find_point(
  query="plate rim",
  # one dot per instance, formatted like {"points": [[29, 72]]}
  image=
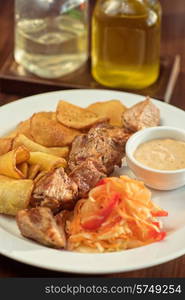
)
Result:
{"points": [[69, 270]]}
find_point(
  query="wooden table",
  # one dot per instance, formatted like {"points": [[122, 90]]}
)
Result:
{"points": [[173, 43]]}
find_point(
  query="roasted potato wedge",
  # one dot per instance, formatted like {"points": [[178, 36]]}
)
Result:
{"points": [[46, 161], [33, 171], [9, 162], [14, 194], [23, 167], [22, 140]]}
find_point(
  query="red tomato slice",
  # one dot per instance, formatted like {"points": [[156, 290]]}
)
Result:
{"points": [[95, 222], [101, 182], [158, 236], [160, 213]]}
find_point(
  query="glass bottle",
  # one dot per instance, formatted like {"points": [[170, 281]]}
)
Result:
{"points": [[51, 36], [126, 42]]}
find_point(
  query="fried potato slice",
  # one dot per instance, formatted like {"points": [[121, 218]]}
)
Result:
{"points": [[46, 161], [14, 194], [11, 134], [10, 161], [50, 133], [5, 145], [32, 146], [51, 115], [76, 117], [22, 128], [112, 109]]}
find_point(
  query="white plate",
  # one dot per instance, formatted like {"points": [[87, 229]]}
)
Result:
{"points": [[13, 245]]}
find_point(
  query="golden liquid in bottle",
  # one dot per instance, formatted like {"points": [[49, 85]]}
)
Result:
{"points": [[126, 44]]}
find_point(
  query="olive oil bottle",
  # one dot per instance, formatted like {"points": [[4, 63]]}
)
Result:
{"points": [[126, 42]]}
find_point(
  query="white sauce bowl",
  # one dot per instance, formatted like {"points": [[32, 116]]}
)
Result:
{"points": [[157, 179]]}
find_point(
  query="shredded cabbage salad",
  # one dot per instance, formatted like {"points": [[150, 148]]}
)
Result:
{"points": [[118, 214]]}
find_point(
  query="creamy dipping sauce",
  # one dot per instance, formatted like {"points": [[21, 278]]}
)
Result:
{"points": [[162, 154]]}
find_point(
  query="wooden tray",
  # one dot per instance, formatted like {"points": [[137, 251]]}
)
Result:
{"points": [[15, 79]]}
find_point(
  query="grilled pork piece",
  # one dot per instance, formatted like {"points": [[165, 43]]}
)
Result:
{"points": [[141, 115], [105, 144], [55, 190], [92, 157], [40, 225], [87, 175], [78, 146]]}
